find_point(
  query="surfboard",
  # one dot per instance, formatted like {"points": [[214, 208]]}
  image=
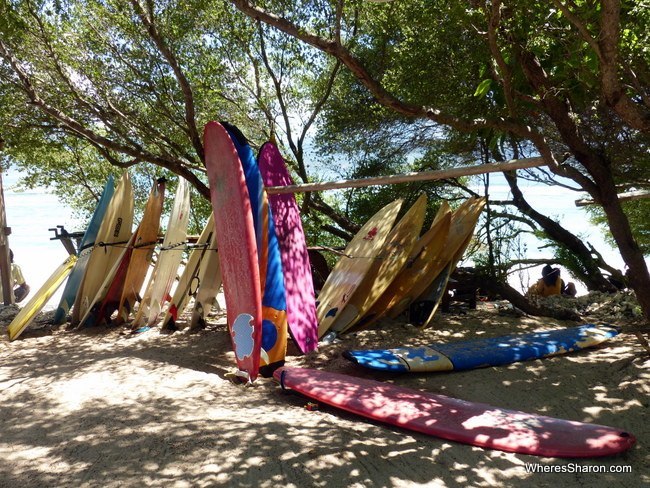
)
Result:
{"points": [[85, 248], [114, 232], [142, 253], [40, 298], [476, 424], [353, 265], [484, 352], [298, 282], [190, 280], [209, 279], [233, 221], [424, 260], [463, 227], [388, 264], [429, 288], [274, 306], [106, 299], [169, 259]]}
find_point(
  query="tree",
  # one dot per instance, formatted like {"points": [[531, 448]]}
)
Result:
{"points": [[553, 79], [93, 87]]}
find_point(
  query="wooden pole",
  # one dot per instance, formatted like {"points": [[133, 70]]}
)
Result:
{"points": [[5, 262], [629, 195], [409, 177]]}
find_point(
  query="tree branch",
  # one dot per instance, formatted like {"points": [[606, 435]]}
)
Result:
{"points": [[382, 95], [190, 114], [94, 138], [611, 88]]}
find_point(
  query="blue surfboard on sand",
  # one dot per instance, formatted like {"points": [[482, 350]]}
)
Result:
{"points": [[480, 353]]}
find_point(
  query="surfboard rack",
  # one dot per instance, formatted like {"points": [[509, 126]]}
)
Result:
{"points": [[66, 238]]}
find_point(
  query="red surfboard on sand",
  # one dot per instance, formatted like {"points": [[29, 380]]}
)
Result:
{"points": [[235, 234], [298, 282], [476, 424]]}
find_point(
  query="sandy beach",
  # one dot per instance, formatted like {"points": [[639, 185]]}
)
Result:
{"points": [[102, 407]]}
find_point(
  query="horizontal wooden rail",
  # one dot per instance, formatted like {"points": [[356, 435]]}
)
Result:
{"points": [[409, 177]]}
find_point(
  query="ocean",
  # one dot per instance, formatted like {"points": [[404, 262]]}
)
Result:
{"points": [[30, 215]]}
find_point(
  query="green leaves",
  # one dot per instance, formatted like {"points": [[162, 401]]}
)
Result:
{"points": [[483, 88]]}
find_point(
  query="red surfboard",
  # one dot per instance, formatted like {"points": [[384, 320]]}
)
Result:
{"points": [[235, 234], [298, 282], [477, 424]]}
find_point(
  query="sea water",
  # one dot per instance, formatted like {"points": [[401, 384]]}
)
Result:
{"points": [[30, 215]]}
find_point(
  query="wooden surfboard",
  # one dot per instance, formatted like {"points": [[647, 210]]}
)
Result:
{"points": [[274, 305], [190, 279], [476, 424], [169, 259], [112, 237], [390, 261], [423, 261], [40, 298], [298, 282], [237, 245], [144, 244], [484, 352], [87, 242], [353, 265]]}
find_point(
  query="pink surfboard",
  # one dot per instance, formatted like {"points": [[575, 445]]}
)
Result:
{"points": [[476, 424], [235, 235], [298, 282]]}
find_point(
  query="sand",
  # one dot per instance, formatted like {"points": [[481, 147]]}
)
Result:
{"points": [[105, 408]]}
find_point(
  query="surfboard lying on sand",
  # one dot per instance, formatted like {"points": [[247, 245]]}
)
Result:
{"points": [[298, 281], [40, 298], [476, 424], [233, 222], [480, 353]]}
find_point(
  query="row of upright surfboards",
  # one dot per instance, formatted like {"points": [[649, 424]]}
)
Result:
{"points": [[109, 273], [262, 260]]}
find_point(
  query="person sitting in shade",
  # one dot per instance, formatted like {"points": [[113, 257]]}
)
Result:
{"points": [[552, 284], [19, 285]]}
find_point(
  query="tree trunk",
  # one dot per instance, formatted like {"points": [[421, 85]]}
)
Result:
{"points": [[593, 279]]}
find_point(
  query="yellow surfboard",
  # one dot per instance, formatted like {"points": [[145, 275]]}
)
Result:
{"points": [[465, 228], [423, 261], [40, 299], [459, 230], [355, 262], [389, 262], [113, 236]]}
